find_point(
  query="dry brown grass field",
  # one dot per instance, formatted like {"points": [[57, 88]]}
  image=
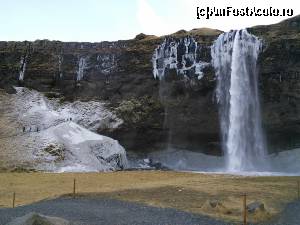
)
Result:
{"points": [[189, 192]]}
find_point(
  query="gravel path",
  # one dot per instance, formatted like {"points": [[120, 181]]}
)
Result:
{"points": [[290, 215], [97, 211], [88, 211]]}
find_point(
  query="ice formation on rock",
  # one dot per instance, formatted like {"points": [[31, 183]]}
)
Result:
{"points": [[182, 55], [107, 63]]}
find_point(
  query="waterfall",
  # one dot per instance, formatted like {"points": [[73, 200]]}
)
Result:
{"points": [[234, 56], [23, 63], [60, 61], [81, 67]]}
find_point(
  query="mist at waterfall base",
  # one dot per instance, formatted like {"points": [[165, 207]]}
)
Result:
{"points": [[234, 59]]}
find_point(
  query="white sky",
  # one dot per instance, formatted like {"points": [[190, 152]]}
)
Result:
{"points": [[185, 15], [99, 20]]}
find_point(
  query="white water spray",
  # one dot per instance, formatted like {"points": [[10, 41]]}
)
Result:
{"points": [[234, 56]]}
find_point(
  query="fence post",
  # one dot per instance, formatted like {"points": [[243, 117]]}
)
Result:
{"points": [[298, 182], [14, 200], [245, 209], [74, 188]]}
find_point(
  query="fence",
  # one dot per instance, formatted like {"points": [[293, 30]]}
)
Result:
{"points": [[73, 187]]}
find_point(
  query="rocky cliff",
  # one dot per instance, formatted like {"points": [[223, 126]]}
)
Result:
{"points": [[279, 76], [180, 110]]}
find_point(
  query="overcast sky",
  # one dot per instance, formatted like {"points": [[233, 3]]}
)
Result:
{"points": [[99, 20]]}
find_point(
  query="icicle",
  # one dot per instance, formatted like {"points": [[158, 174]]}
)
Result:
{"points": [[169, 55]]}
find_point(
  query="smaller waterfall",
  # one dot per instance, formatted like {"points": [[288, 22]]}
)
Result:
{"points": [[182, 55], [234, 56], [82, 65], [23, 63], [60, 61]]}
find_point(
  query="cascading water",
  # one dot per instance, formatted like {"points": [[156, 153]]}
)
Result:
{"points": [[81, 67], [60, 61], [234, 56], [23, 63]]}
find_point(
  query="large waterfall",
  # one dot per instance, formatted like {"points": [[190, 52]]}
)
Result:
{"points": [[234, 56]]}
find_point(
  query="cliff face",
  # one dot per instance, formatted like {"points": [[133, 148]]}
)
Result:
{"points": [[180, 111], [109, 71], [279, 75]]}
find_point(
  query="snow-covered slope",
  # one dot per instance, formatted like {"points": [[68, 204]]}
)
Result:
{"points": [[44, 134], [37, 110]]}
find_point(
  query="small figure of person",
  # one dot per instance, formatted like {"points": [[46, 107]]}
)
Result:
{"points": [[37, 129], [24, 129]]}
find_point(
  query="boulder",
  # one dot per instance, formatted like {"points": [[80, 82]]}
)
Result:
{"points": [[34, 218], [255, 207], [257, 211]]}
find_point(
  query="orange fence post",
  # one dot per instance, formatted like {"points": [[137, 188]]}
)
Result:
{"points": [[14, 200], [74, 188], [245, 209]]}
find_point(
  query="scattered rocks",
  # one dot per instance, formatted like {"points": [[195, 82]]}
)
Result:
{"points": [[215, 206], [57, 151]]}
